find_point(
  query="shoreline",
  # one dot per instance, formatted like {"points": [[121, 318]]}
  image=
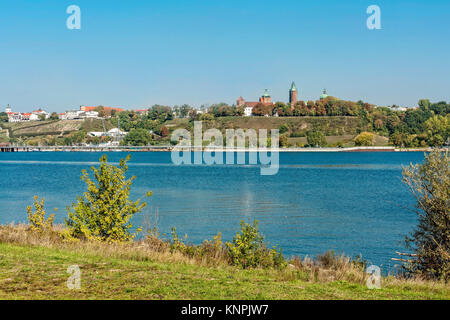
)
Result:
{"points": [[203, 149]]}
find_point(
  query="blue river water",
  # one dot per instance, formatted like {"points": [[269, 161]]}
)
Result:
{"points": [[352, 203]]}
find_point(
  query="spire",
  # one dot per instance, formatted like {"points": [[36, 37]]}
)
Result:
{"points": [[293, 87]]}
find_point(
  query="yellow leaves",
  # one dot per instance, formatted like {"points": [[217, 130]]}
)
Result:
{"points": [[37, 219], [105, 210]]}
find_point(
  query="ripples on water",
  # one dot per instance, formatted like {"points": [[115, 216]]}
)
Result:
{"points": [[349, 202]]}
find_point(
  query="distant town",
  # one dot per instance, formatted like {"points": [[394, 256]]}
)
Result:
{"points": [[247, 109], [327, 121]]}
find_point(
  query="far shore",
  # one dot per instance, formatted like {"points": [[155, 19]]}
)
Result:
{"points": [[199, 149]]}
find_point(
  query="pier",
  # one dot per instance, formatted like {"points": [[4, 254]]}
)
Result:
{"points": [[12, 148]]}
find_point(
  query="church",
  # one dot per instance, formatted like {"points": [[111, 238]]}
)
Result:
{"points": [[267, 100]]}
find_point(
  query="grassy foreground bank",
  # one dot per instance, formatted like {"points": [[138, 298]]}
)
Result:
{"points": [[35, 267]]}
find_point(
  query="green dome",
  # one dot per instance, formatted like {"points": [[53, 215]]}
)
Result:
{"points": [[324, 94], [266, 93]]}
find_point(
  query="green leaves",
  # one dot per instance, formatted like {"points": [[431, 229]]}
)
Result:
{"points": [[104, 211], [430, 185], [248, 249]]}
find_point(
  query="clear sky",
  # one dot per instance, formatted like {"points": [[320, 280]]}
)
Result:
{"points": [[137, 53]]}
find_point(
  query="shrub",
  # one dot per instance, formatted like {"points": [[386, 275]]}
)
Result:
{"points": [[365, 139], [316, 139], [211, 251], [430, 185], [283, 128], [137, 137], [37, 219], [104, 211], [284, 142], [248, 249]]}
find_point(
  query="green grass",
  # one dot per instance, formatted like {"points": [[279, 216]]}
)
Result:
{"points": [[38, 272]]}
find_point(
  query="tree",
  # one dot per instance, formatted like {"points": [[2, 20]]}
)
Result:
{"points": [[316, 139], [283, 128], [438, 130], [101, 111], [54, 116], [3, 117], [262, 109], [430, 184], [104, 211], [365, 139], [137, 137], [184, 110], [164, 132], [79, 136], [284, 142]]}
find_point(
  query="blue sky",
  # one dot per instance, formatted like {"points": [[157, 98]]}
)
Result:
{"points": [[138, 53]]}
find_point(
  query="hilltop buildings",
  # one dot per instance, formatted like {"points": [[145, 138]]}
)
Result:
{"points": [[266, 99], [26, 116], [84, 113]]}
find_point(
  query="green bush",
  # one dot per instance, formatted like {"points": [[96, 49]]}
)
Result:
{"points": [[211, 251], [316, 139], [430, 184], [283, 128], [104, 211], [248, 250]]}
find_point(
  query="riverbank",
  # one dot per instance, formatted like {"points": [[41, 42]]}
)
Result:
{"points": [[6, 148], [35, 267]]}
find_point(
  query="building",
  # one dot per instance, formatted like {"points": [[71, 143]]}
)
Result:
{"points": [[265, 99], [41, 113], [141, 111], [78, 115], [26, 116], [293, 95], [107, 109], [14, 116], [324, 94]]}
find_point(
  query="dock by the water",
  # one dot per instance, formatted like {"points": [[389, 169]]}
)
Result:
{"points": [[83, 148]]}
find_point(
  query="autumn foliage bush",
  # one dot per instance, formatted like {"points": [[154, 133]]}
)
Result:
{"points": [[104, 211], [37, 219]]}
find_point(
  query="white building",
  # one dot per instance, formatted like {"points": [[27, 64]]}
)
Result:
{"points": [[116, 132], [248, 111], [14, 117], [40, 113], [90, 114], [78, 114]]}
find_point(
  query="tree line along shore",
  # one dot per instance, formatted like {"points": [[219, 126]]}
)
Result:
{"points": [[329, 122]]}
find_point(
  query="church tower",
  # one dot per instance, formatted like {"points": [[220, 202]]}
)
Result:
{"points": [[293, 95], [266, 99]]}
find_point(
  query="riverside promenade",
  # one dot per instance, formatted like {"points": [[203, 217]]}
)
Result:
{"points": [[168, 148]]}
